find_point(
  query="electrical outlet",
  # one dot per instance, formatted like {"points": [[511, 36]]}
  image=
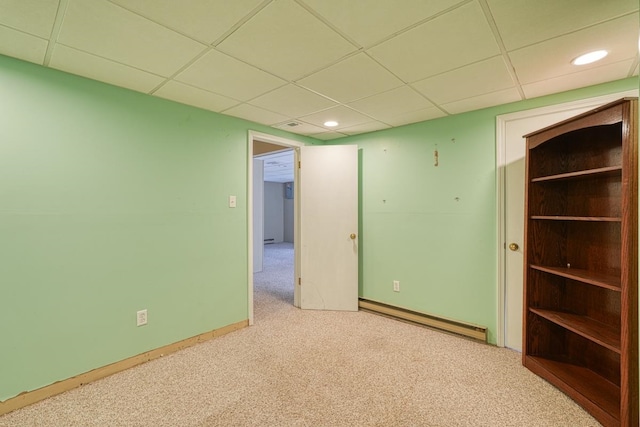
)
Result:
{"points": [[396, 286], [141, 317]]}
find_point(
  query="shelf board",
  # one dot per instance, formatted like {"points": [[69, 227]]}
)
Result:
{"points": [[609, 170], [607, 281], [600, 333], [577, 218], [583, 385]]}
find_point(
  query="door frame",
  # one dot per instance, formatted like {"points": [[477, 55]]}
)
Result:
{"points": [[285, 143], [501, 146]]}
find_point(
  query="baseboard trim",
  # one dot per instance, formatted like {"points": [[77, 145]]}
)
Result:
{"points": [[455, 326], [30, 397]]}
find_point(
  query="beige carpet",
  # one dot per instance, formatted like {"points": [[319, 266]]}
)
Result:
{"points": [[312, 368]]}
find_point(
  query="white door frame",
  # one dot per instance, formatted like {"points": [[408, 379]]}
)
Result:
{"points": [[501, 146], [286, 143]]}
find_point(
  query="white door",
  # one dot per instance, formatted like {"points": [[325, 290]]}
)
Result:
{"points": [[515, 126], [258, 215], [328, 183]]}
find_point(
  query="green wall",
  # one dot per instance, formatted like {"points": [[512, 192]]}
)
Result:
{"points": [[434, 228], [112, 201]]}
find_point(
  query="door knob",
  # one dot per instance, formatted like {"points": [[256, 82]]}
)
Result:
{"points": [[353, 236], [514, 246]]}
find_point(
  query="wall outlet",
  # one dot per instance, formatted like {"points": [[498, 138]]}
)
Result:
{"points": [[396, 286], [141, 317]]}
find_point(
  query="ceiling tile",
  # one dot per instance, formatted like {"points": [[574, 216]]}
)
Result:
{"points": [[255, 114], [354, 78], [483, 101], [391, 103], [476, 79], [416, 116], [30, 16], [292, 101], [327, 136], [419, 53], [364, 128], [203, 20], [553, 58], [346, 117], [22, 45], [552, 18], [584, 78], [635, 73], [287, 40], [302, 127], [354, 17], [219, 73], [107, 30], [83, 64], [190, 95]]}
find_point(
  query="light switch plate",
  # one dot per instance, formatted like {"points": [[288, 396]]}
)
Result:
{"points": [[232, 201]]}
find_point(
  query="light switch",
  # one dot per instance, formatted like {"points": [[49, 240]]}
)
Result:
{"points": [[232, 201]]}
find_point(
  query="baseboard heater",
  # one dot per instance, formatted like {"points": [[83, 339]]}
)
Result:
{"points": [[461, 328]]}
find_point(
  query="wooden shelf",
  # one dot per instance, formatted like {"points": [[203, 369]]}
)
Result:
{"points": [[576, 218], [581, 202], [609, 170], [590, 390], [600, 333], [607, 281]]}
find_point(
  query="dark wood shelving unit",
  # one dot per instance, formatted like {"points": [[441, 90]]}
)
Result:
{"points": [[581, 260]]}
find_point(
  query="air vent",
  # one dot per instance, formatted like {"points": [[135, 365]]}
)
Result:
{"points": [[293, 124]]}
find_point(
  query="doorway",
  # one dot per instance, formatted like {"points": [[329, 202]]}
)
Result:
{"points": [[262, 144], [510, 161], [273, 218]]}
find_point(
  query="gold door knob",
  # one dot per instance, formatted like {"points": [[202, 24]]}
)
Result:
{"points": [[353, 236], [514, 246]]}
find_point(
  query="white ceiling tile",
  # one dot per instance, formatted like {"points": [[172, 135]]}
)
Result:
{"points": [[292, 101], [353, 78], [30, 16], [354, 17], [365, 127], [580, 79], [190, 95], [391, 103], [552, 58], [635, 73], [255, 114], [328, 136], [301, 127], [97, 68], [482, 77], [107, 30], [345, 117], [525, 22], [483, 101], [416, 116], [287, 40], [203, 20], [22, 45], [457, 38], [219, 73]]}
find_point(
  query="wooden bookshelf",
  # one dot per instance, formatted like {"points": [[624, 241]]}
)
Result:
{"points": [[581, 260]]}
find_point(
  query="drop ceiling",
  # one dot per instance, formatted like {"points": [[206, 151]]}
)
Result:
{"points": [[294, 64], [278, 167]]}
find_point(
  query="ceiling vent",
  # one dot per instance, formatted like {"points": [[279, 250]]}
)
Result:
{"points": [[293, 124]]}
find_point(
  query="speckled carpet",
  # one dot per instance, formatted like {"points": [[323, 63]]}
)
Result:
{"points": [[315, 368]]}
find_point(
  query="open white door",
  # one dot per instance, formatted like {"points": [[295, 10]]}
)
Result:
{"points": [[328, 182]]}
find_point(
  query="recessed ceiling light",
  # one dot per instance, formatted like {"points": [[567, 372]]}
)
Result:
{"points": [[331, 123], [590, 57]]}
